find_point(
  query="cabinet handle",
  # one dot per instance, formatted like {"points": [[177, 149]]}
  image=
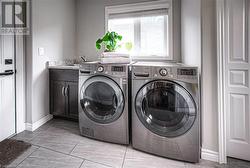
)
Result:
{"points": [[66, 91], [63, 90]]}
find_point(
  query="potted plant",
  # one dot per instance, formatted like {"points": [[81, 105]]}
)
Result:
{"points": [[109, 41]]}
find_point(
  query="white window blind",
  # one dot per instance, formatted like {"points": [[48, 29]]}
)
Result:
{"points": [[137, 14]]}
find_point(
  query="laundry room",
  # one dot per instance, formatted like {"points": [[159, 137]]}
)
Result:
{"points": [[124, 83]]}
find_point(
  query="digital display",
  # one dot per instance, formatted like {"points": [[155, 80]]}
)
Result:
{"points": [[117, 69], [187, 72]]}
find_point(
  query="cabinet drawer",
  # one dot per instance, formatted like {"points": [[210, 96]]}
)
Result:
{"points": [[64, 74]]}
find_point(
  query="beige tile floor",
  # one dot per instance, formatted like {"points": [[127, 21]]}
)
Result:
{"points": [[58, 144]]}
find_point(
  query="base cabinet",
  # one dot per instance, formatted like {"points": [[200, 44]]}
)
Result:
{"points": [[72, 99], [58, 99], [64, 93]]}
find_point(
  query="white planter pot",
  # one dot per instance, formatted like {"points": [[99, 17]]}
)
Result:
{"points": [[114, 54], [114, 57]]}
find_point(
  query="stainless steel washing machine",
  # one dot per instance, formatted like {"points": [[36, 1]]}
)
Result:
{"points": [[165, 110], [103, 102]]}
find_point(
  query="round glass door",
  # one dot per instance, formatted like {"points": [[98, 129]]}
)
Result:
{"points": [[102, 99], [165, 108]]}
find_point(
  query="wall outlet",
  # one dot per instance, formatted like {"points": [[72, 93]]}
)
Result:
{"points": [[41, 51]]}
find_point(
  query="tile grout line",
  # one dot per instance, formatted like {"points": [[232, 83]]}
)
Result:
{"points": [[67, 154], [89, 160], [62, 153], [29, 141], [37, 133], [27, 157], [72, 149], [77, 157], [71, 153], [82, 163], [124, 157], [98, 163], [85, 158]]}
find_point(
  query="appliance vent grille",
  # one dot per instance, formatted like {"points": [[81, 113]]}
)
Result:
{"points": [[88, 132]]}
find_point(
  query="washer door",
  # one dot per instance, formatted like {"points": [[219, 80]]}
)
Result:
{"points": [[102, 99], [165, 108]]}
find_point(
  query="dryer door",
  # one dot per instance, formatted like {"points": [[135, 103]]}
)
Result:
{"points": [[102, 99], [165, 108]]}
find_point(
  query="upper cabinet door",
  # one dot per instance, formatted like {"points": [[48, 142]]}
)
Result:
{"points": [[237, 35]]}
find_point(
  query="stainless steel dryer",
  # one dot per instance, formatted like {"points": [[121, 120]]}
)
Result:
{"points": [[165, 110], [103, 102]]}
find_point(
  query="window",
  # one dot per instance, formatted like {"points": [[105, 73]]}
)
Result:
{"points": [[147, 26]]}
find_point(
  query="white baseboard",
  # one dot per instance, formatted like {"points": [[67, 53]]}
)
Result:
{"points": [[21, 127], [209, 155], [28, 127], [39, 123]]}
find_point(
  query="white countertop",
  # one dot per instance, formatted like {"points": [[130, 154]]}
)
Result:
{"points": [[64, 66]]}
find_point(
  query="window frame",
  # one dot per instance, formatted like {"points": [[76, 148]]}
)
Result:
{"points": [[137, 7]]}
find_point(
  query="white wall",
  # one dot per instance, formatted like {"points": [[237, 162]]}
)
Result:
{"points": [[209, 76], [53, 28], [191, 32], [199, 49]]}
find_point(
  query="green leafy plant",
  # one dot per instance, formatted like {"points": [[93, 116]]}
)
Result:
{"points": [[109, 41]]}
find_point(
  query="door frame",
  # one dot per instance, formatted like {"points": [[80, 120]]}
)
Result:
{"points": [[222, 115], [20, 83], [221, 9]]}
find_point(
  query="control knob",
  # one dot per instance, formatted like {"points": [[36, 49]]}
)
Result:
{"points": [[100, 69], [163, 72]]}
